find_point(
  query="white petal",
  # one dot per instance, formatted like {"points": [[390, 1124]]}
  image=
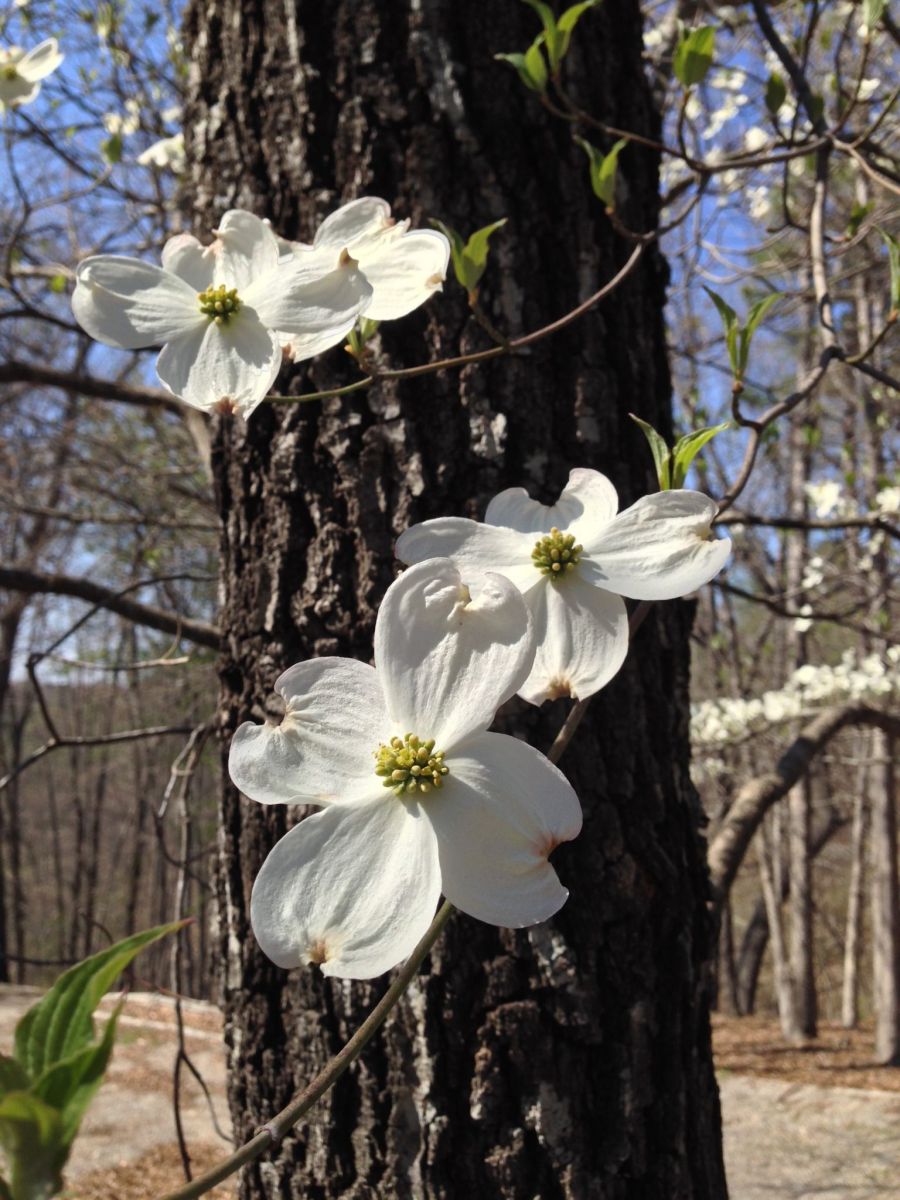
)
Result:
{"points": [[586, 504], [502, 810], [185, 257], [353, 888], [660, 548], [17, 91], [361, 218], [317, 311], [128, 303], [448, 656], [581, 634], [245, 249], [475, 548], [235, 362], [40, 62], [323, 751], [404, 272]]}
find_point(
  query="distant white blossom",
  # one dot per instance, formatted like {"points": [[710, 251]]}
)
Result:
{"points": [[871, 679], [21, 71], [166, 154]]}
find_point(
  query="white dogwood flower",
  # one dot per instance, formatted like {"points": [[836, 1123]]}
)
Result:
{"points": [[404, 266], [574, 561], [221, 311], [166, 155], [21, 72], [419, 798]]}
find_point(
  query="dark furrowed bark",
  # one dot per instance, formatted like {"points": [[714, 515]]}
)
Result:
{"points": [[571, 1060]]}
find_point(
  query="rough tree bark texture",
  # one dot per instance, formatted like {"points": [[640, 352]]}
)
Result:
{"points": [[571, 1060]]}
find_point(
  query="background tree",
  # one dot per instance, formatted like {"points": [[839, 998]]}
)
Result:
{"points": [[572, 1059]]}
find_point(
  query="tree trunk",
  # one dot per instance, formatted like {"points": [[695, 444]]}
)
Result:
{"points": [[755, 938], [572, 1059], [885, 904], [853, 938]]}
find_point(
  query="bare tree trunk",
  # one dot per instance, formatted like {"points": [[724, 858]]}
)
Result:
{"points": [[855, 896], [573, 1059], [798, 1021], [885, 904], [755, 938], [885, 883], [773, 888]]}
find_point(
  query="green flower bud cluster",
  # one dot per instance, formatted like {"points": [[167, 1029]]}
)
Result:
{"points": [[410, 765], [220, 303], [556, 554]]}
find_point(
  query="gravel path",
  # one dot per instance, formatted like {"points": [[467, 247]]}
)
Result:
{"points": [[783, 1141], [794, 1141]]}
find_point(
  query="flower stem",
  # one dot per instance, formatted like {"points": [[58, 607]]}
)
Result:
{"points": [[273, 1131]]}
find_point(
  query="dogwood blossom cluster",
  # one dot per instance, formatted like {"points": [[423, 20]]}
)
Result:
{"points": [[418, 798], [226, 314], [872, 679], [574, 561]]}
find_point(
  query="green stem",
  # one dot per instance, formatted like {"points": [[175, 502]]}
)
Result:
{"points": [[272, 1133]]}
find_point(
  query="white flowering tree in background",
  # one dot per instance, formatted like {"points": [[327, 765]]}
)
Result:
{"points": [[212, 189]]}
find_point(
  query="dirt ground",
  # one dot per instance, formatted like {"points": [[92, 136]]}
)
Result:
{"points": [[816, 1123]]}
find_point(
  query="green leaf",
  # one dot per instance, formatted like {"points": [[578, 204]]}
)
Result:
{"points": [[456, 248], [858, 214], [816, 108], [569, 19], [893, 249], [662, 458], [688, 447], [693, 55], [31, 1138], [535, 65], [872, 13], [13, 1076], [603, 169], [553, 39], [61, 1023], [730, 324], [776, 93], [69, 1086], [57, 284], [754, 316], [475, 255], [111, 148], [532, 72]]}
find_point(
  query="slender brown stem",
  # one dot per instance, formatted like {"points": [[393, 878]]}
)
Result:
{"points": [[273, 1131], [463, 360]]}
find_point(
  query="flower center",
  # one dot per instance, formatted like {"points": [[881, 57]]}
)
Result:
{"points": [[220, 303], [10, 73], [410, 765], [556, 554]]}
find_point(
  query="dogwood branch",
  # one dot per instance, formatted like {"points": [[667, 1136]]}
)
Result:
{"points": [[478, 356]]}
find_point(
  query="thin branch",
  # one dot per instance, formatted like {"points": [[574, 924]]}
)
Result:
{"points": [[478, 356], [33, 582], [273, 1131], [87, 385]]}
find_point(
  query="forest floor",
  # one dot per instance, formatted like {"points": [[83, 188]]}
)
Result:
{"points": [[820, 1122]]}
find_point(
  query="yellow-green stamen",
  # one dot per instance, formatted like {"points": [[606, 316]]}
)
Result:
{"points": [[556, 554], [409, 765], [220, 303]]}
